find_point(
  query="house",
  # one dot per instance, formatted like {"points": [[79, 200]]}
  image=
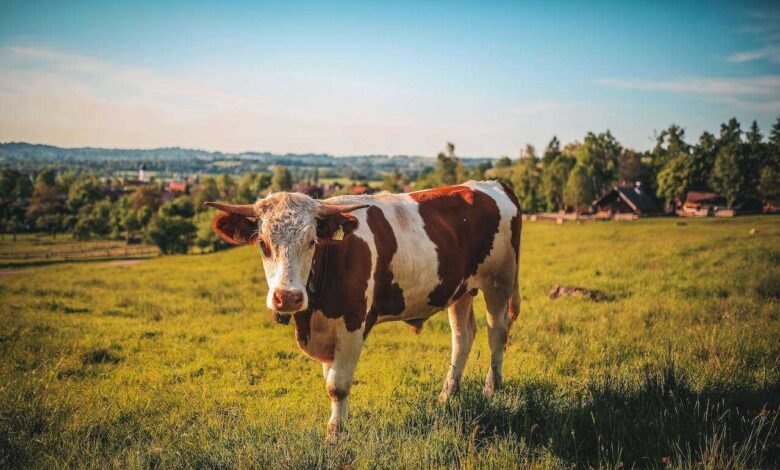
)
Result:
{"points": [[771, 206], [701, 204], [177, 187], [625, 202]]}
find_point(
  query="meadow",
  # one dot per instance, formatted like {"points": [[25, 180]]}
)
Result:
{"points": [[175, 362]]}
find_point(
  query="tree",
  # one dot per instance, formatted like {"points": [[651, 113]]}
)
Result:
{"points": [[554, 178], [774, 139], [629, 167], [227, 187], [704, 154], [207, 191], [146, 195], [670, 143], [446, 172], [50, 223], [579, 191], [479, 171], [552, 152], [45, 200], [769, 177], [170, 234], [282, 179], [93, 221], [503, 162], [14, 184], [251, 185], [527, 181], [394, 181], [674, 179], [86, 190], [46, 176], [206, 237], [179, 207], [729, 177], [600, 155]]}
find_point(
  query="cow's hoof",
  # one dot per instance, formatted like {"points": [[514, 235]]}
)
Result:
{"points": [[332, 435], [445, 396], [492, 384]]}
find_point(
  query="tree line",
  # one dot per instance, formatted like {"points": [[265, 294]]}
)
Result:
{"points": [[741, 166], [90, 207]]}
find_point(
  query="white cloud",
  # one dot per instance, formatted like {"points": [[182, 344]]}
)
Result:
{"points": [[758, 86], [761, 93], [770, 53]]}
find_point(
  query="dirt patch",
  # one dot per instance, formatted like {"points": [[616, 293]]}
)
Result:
{"points": [[565, 291], [125, 262]]}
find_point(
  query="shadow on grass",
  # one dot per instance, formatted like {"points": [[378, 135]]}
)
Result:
{"points": [[652, 422]]}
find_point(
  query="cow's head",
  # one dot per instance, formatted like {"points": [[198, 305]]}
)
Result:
{"points": [[286, 227]]}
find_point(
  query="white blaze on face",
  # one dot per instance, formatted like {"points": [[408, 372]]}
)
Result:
{"points": [[288, 230]]}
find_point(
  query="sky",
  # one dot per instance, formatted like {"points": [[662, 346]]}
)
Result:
{"points": [[405, 77]]}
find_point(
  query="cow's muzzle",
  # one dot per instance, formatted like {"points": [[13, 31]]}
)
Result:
{"points": [[287, 300]]}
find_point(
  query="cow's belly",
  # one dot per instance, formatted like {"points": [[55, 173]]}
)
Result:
{"points": [[412, 314]]}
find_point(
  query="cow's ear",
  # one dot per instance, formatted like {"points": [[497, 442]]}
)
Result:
{"points": [[336, 226], [235, 229]]}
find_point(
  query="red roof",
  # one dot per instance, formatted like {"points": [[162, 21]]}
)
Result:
{"points": [[177, 186], [362, 190], [701, 196]]}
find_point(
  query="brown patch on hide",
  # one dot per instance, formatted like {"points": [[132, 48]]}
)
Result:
{"points": [[339, 280], [388, 295], [462, 223]]}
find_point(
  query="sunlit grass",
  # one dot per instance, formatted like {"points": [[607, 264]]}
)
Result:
{"points": [[175, 362]]}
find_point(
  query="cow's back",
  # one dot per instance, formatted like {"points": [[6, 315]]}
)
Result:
{"points": [[430, 247]]}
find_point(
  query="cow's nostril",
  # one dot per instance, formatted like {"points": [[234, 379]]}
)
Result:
{"points": [[296, 297]]}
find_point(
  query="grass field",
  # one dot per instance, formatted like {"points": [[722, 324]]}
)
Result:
{"points": [[174, 362], [38, 249]]}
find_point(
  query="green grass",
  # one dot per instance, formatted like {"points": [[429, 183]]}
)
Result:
{"points": [[174, 362], [38, 249]]}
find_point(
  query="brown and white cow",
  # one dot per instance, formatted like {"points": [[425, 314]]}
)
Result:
{"points": [[344, 264]]}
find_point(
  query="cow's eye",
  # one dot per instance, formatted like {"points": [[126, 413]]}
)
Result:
{"points": [[311, 244], [264, 247]]}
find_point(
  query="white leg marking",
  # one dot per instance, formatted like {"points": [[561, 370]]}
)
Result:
{"points": [[464, 328], [339, 379]]}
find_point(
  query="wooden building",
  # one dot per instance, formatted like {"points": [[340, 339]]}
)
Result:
{"points": [[625, 202]]}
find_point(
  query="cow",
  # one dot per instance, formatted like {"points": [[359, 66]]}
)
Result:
{"points": [[340, 266]]}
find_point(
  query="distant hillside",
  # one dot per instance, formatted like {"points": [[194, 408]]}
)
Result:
{"points": [[176, 161], [23, 150]]}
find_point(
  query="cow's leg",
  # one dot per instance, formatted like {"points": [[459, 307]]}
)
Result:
{"points": [[464, 328], [339, 376], [325, 370], [498, 322]]}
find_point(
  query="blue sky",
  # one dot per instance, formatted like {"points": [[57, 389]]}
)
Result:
{"points": [[380, 77]]}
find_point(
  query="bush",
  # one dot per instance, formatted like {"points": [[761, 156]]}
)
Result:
{"points": [[172, 234], [207, 238]]}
